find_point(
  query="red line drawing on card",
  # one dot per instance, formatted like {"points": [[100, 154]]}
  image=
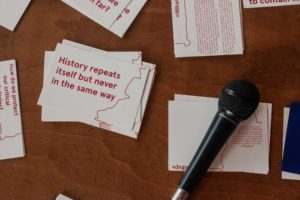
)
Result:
{"points": [[188, 41], [101, 122], [136, 59], [6, 137], [221, 160]]}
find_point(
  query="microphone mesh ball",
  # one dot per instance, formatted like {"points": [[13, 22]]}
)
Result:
{"points": [[239, 99]]}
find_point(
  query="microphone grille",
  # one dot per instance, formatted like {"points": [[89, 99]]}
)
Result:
{"points": [[239, 99]]}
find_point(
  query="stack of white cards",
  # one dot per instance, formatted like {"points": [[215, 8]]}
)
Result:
{"points": [[207, 27], [246, 151], [109, 90], [62, 197], [268, 3], [11, 11], [114, 15], [11, 136]]}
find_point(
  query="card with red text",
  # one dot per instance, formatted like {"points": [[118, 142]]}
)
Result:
{"points": [[49, 114], [103, 12], [269, 3], [207, 28], [11, 134], [104, 88], [246, 151], [125, 19], [11, 11]]}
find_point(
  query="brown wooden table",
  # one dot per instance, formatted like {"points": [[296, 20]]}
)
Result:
{"points": [[87, 163]]}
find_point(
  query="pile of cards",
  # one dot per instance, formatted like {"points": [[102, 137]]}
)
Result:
{"points": [[62, 197], [291, 143], [109, 90], [11, 136], [11, 11], [268, 3], [207, 27], [114, 15], [246, 151]]}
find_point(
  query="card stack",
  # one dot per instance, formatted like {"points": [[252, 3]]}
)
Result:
{"points": [[246, 151], [207, 27], [114, 15], [109, 90], [291, 143]]}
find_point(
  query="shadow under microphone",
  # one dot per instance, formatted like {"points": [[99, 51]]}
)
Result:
{"points": [[238, 101]]}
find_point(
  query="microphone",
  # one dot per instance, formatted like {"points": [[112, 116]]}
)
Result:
{"points": [[237, 102]]}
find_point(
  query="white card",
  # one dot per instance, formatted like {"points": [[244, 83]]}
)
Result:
{"points": [[53, 115], [268, 3], [103, 12], [207, 28], [287, 175], [11, 134], [246, 151], [11, 12], [126, 18], [62, 197], [121, 85]]}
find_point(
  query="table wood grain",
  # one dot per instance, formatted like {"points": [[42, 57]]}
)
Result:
{"points": [[87, 163]]}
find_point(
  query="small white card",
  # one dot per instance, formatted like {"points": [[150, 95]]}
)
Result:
{"points": [[287, 175], [62, 197], [11, 134], [207, 28], [104, 12], [54, 115], [269, 3], [114, 102], [11, 12], [246, 151], [126, 18]]}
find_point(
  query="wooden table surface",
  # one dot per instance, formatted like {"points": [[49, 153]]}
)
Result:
{"points": [[87, 163]]}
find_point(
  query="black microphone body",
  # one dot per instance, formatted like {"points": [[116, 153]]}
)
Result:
{"points": [[216, 136], [238, 101]]}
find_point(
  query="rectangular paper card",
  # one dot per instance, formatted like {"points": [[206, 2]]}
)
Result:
{"points": [[207, 28], [11, 12], [268, 3], [62, 197], [246, 151], [125, 19], [49, 114], [287, 175], [105, 88], [11, 137], [291, 159], [103, 12]]}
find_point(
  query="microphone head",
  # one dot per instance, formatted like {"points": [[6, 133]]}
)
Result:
{"points": [[239, 100]]}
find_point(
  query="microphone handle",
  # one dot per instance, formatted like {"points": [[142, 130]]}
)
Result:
{"points": [[216, 136]]}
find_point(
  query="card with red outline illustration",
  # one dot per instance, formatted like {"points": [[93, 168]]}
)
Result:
{"points": [[207, 28], [100, 89], [246, 151], [51, 115], [11, 134]]}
